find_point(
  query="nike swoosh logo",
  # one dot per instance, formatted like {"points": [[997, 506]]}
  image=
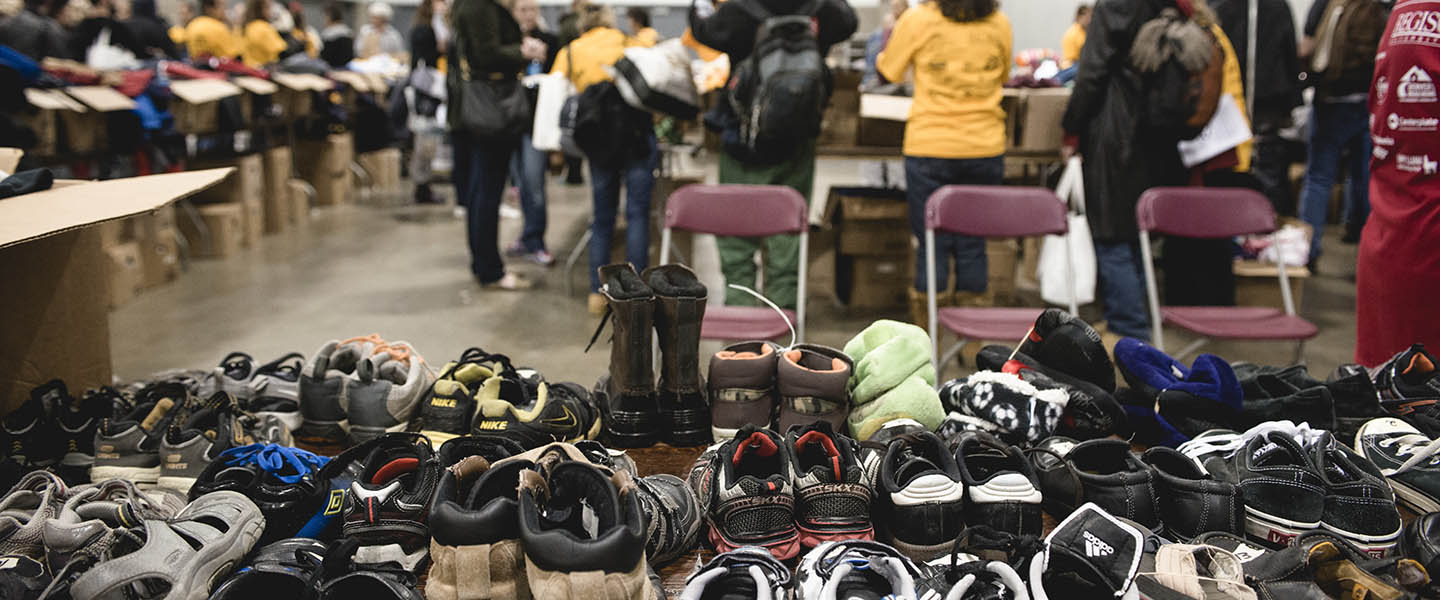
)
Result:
{"points": [[568, 420]]}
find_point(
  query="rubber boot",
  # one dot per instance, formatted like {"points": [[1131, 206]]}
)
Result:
{"points": [[681, 393], [627, 394]]}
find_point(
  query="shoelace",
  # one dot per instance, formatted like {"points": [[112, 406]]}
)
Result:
{"points": [[1419, 448], [273, 458], [1229, 443]]}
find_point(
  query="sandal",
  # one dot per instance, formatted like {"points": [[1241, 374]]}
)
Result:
{"points": [[177, 559]]}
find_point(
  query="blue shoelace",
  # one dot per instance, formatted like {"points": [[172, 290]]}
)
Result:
{"points": [[273, 458]]}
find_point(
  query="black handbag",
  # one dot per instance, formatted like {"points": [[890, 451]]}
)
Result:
{"points": [[497, 108]]}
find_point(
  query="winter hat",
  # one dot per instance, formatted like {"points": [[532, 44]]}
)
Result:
{"points": [[1002, 403]]}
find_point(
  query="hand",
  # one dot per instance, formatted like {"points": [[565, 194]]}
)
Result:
{"points": [[1066, 152], [532, 49]]}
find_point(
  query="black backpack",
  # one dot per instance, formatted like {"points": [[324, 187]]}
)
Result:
{"points": [[607, 130], [778, 93], [1181, 69]]}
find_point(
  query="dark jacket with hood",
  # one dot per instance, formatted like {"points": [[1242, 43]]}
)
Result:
{"points": [[1277, 66], [150, 31], [1122, 159]]}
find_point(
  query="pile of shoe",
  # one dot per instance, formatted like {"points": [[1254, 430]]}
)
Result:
{"points": [[54, 430], [360, 388]]}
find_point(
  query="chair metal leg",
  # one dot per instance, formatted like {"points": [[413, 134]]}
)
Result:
{"points": [[949, 356], [574, 258], [1299, 353], [1195, 345]]}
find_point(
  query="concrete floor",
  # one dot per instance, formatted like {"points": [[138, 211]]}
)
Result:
{"points": [[403, 272]]}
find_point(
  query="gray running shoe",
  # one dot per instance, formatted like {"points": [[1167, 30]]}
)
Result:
{"points": [[24, 511], [128, 446], [198, 436], [271, 389], [387, 391], [324, 385]]}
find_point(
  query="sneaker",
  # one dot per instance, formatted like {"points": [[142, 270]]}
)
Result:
{"points": [[1191, 501], [616, 460], [746, 488], [200, 432], [31, 434], [278, 479], [1421, 542], [535, 415], [1090, 554], [1090, 412], [919, 497], [895, 428], [388, 505], [1001, 488], [1407, 458], [1407, 381], [963, 576], [280, 569], [275, 390], [1284, 495], [344, 575], [856, 569], [1065, 343], [748, 572], [579, 518], [742, 388], [127, 446], [832, 487], [324, 386], [1104, 472], [474, 521], [813, 384], [76, 421], [386, 391], [672, 516], [1005, 405], [24, 511], [1359, 504], [448, 408]]}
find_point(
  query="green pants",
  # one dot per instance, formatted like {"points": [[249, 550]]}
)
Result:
{"points": [[782, 252]]}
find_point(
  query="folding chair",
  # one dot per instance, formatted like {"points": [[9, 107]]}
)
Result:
{"points": [[986, 211], [1215, 213], [742, 211]]}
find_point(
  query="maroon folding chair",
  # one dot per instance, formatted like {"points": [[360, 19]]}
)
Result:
{"points": [[1215, 213], [742, 211], [987, 211]]}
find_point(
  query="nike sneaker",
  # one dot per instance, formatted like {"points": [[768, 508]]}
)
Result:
{"points": [[535, 416], [448, 408]]}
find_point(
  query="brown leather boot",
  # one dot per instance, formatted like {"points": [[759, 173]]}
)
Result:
{"points": [[679, 311], [627, 394]]}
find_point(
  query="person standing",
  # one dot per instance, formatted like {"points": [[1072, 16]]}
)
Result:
{"points": [[569, 29], [263, 44], [731, 28], [337, 40], [379, 36], [209, 35], [1340, 41], [429, 39], [955, 134], [640, 28], [30, 33], [150, 30], [486, 44], [528, 167], [1074, 39], [1398, 268], [584, 61]]}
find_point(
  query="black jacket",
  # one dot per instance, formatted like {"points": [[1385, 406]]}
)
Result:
{"points": [[34, 36], [732, 30], [88, 32], [1122, 159], [423, 45], [1277, 66], [153, 34], [488, 37]]}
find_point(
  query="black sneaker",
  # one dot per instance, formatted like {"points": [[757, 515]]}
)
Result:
{"points": [[1191, 501], [832, 489], [856, 569], [1090, 554], [1005, 405], [1407, 382], [1065, 343], [280, 480], [31, 435], [535, 415], [967, 577], [1090, 412], [747, 572], [127, 446], [282, 569], [448, 408], [1103, 471], [388, 505], [919, 497], [1359, 504], [672, 516], [343, 575], [1408, 459], [1001, 488], [22, 578], [1284, 495], [746, 489], [1421, 543]]}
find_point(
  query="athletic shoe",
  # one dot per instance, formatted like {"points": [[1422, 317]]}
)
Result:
{"points": [[1065, 343], [1421, 543], [448, 408], [746, 489], [748, 572], [281, 569], [388, 505], [832, 486], [813, 384], [1090, 554], [615, 460], [1407, 458], [1191, 501], [535, 416], [75, 423], [1005, 405], [856, 569], [31, 434], [275, 390], [344, 575], [672, 516], [24, 511], [1104, 472], [1407, 381], [1179, 571], [200, 432], [22, 578], [1001, 488], [742, 388], [278, 479], [386, 391], [919, 497], [1283, 494], [474, 521], [605, 543], [964, 576], [894, 429], [127, 446], [1359, 504], [325, 385]]}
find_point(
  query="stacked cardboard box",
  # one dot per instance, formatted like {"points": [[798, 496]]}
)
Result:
{"points": [[277, 190], [383, 167], [197, 104], [325, 163], [223, 234], [243, 193], [299, 194], [872, 247]]}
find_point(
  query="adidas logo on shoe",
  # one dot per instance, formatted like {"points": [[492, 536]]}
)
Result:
{"points": [[1095, 547]]}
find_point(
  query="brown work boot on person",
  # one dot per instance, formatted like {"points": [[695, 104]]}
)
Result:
{"points": [[813, 382], [627, 394], [742, 388], [679, 311]]}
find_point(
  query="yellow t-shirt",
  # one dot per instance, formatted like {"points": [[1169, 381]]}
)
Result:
{"points": [[177, 34], [593, 51], [647, 37], [1231, 85], [263, 44], [207, 36], [960, 70], [1071, 44]]}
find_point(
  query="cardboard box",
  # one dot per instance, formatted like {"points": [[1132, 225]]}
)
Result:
{"points": [[245, 188], [254, 223], [259, 96], [1039, 125], [277, 192], [841, 121], [332, 190], [875, 238], [1002, 256], [882, 120], [296, 95], [160, 256], [1256, 284], [871, 204], [197, 104], [325, 163], [115, 232], [88, 131], [383, 166], [875, 282], [821, 273], [49, 105], [224, 232], [299, 194], [124, 273], [56, 323]]}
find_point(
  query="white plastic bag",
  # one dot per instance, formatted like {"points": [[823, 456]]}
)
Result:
{"points": [[1055, 269], [104, 56], [552, 90]]}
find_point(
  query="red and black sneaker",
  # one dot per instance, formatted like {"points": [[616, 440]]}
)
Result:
{"points": [[832, 496], [387, 507], [746, 488]]}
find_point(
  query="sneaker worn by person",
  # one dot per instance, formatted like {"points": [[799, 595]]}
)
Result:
{"points": [[1090, 554], [198, 436], [1407, 458], [386, 391], [1005, 405], [813, 384], [552, 413], [1283, 494], [627, 393], [919, 497], [832, 489], [127, 446], [746, 489], [24, 511], [324, 388], [1104, 472], [1407, 382], [448, 408], [280, 480], [856, 569], [1001, 488], [1359, 504], [474, 522], [742, 388], [747, 572], [1191, 501], [680, 392], [388, 505], [281, 569]]}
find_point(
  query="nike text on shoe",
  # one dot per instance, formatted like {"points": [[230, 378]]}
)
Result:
{"points": [[1001, 489], [742, 388], [748, 572], [680, 392], [1359, 504], [1191, 501], [627, 393], [127, 446], [386, 391], [832, 489], [546, 413], [919, 497], [1409, 459], [746, 490], [388, 506], [1107, 473], [813, 383], [448, 408]]}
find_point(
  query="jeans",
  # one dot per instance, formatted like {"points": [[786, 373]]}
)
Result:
{"points": [[1336, 129], [527, 170], [638, 176], [1122, 287], [923, 176], [480, 168], [782, 252]]}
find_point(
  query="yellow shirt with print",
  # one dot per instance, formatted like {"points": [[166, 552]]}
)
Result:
{"points": [[1071, 44], [647, 37], [960, 70], [263, 44], [208, 36], [592, 52]]}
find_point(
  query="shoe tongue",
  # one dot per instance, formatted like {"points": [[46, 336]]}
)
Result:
{"points": [[1272, 453], [1418, 369], [758, 444], [470, 374], [1091, 542], [394, 469], [815, 444]]}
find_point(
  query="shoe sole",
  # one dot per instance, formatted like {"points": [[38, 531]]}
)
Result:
{"points": [[182, 484], [360, 434], [810, 538], [1376, 546], [292, 420], [324, 432], [783, 549], [627, 429], [919, 552], [77, 460], [1272, 530], [137, 475], [688, 428]]}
